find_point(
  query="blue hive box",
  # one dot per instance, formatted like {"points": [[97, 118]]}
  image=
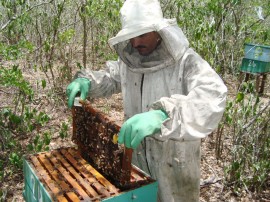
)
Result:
{"points": [[257, 52]]}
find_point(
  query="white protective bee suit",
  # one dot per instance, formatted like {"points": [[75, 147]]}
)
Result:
{"points": [[173, 78]]}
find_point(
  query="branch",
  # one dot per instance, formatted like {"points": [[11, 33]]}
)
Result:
{"points": [[6, 92], [246, 33], [15, 17], [258, 21], [211, 180], [255, 118], [9, 129]]}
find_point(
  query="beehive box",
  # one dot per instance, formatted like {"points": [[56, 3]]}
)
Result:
{"points": [[257, 52], [255, 66], [98, 170], [63, 175]]}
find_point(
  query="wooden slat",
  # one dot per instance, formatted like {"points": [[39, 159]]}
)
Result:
{"points": [[66, 175], [126, 166], [136, 177], [75, 174], [56, 175], [93, 181], [72, 197], [74, 127], [49, 182], [94, 172]]}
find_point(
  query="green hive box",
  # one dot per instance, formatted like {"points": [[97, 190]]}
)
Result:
{"points": [[257, 52], [63, 175], [255, 66]]}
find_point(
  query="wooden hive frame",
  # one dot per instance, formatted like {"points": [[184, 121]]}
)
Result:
{"points": [[95, 133]]}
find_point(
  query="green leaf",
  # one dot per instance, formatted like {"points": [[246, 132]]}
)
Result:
{"points": [[47, 46], [47, 138], [43, 83], [15, 119], [39, 147], [30, 147], [240, 96], [15, 160], [235, 165], [6, 112], [31, 127], [79, 65], [229, 105], [36, 139], [229, 119], [11, 144]]}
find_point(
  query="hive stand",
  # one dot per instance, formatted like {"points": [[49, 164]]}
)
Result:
{"points": [[260, 80]]}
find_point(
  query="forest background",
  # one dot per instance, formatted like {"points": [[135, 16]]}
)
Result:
{"points": [[43, 44]]}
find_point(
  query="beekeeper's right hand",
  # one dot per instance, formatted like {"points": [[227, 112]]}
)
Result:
{"points": [[139, 126], [78, 86]]}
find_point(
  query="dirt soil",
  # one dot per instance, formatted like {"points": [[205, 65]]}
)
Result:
{"points": [[212, 170]]}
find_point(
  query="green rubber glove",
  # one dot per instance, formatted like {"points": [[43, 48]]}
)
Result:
{"points": [[79, 85], [136, 128]]}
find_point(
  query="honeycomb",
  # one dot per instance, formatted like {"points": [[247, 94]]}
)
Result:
{"points": [[95, 134]]}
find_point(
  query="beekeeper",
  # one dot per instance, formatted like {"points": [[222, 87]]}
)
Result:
{"points": [[172, 97]]}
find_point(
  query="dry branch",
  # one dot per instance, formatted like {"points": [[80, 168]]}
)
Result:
{"points": [[16, 17]]}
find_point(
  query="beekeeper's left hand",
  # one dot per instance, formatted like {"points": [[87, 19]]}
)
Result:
{"points": [[78, 86]]}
